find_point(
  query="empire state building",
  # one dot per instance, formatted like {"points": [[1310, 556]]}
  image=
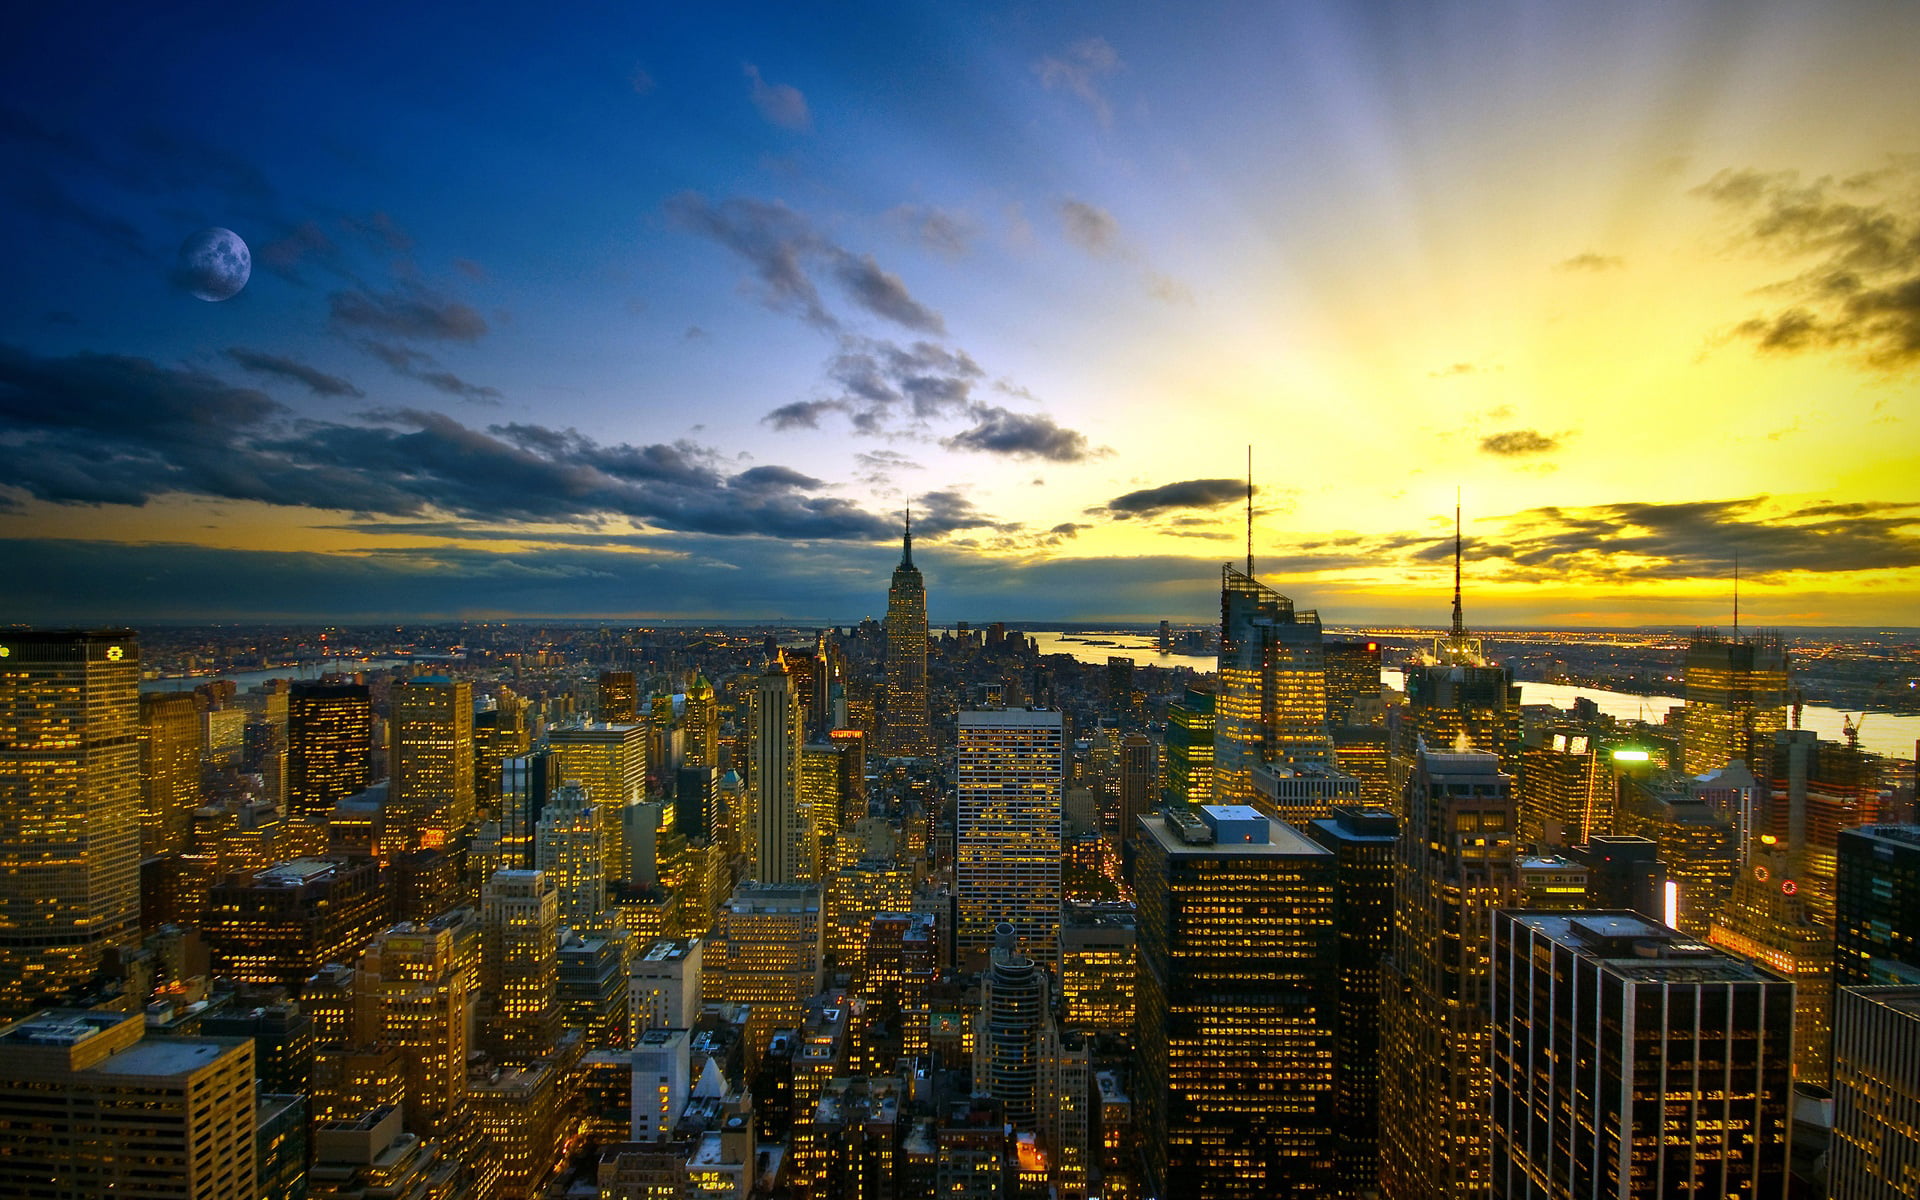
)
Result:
{"points": [[905, 730]]}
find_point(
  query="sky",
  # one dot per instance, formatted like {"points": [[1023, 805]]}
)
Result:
{"points": [[670, 311]]}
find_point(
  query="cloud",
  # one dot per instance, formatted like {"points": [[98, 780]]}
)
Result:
{"points": [[948, 234], [1079, 71], [1590, 261], [418, 364], [409, 311], [1459, 368], [781, 104], [1021, 435], [641, 81], [876, 468], [1857, 243], [1167, 289], [883, 294], [1518, 443], [284, 255], [882, 386], [1092, 229], [1191, 493], [471, 269], [788, 255], [94, 429], [318, 382]]}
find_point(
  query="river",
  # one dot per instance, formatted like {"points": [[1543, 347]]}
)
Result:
{"points": [[245, 680], [1888, 734]]}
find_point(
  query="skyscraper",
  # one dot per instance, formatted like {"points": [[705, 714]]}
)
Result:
{"points": [[329, 745], [69, 807], [1272, 703], [519, 965], [619, 698], [91, 1107], [1458, 698], [169, 770], [413, 996], [1189, 740], [1007, 844], [702, 724], [906, 729], [774, 785], [1363, 842], [1455, 866], [1006, 1047], [610, 761], [1876, 1091], [431, 800], [1632, 1061], [1736, 698], [1236, 1025], [569, 847], [1877, 925], [1353, 681]]}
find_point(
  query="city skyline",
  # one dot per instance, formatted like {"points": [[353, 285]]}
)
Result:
{"points": [[670, 314]]}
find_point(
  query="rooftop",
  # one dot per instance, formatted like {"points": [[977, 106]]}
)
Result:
{"points": [[1283, 841]]}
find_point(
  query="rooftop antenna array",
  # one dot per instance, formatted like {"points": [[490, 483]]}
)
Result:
{"points": [[1249, 510]]}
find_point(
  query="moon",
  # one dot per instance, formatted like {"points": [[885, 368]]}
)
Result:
{"points": [[214, 264]]}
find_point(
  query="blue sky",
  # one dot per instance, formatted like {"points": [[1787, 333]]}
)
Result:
{"points": [[638, 310]]}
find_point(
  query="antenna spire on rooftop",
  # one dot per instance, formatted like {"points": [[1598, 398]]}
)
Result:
{"points": [[1249, 510], [906, 540], [1459, 619]]}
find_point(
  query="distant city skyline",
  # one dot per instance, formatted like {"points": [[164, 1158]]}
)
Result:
{"points": [[669, 313]]}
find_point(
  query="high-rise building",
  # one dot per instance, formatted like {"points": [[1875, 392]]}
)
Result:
{"points": [[1877, 924], [1875, 1153], [431, 799], [906, 729], [1099, 956], [774, 782], [619, 699], [569, 847], [1454, 866], [767, 952], [1766, 921], [412, 995], [1006, 1041], [1457, 698], [702, 724], [1812, 790], [169, 771], [610, 761], [1272, 703], [1353, 681], [1235, 1076], [1007, 848], [663, 990], [519, 965], [1632, 1061], [1363, 841], [1566, 792], [329, 745], [89, 1107], [69, 807], [1189, 743], [1698, 845], [279, 925], [1119, 684], [525, 783], [1139, 781], [1736, 698]]}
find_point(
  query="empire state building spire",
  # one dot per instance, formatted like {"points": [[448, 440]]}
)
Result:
{"points": [[905, 728]]}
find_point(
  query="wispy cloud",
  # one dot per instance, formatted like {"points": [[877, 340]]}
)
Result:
{"points": [[279, 366], [781, 104], [1079, 70], [1591, 261], [408, 311], [1173, 497]]}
